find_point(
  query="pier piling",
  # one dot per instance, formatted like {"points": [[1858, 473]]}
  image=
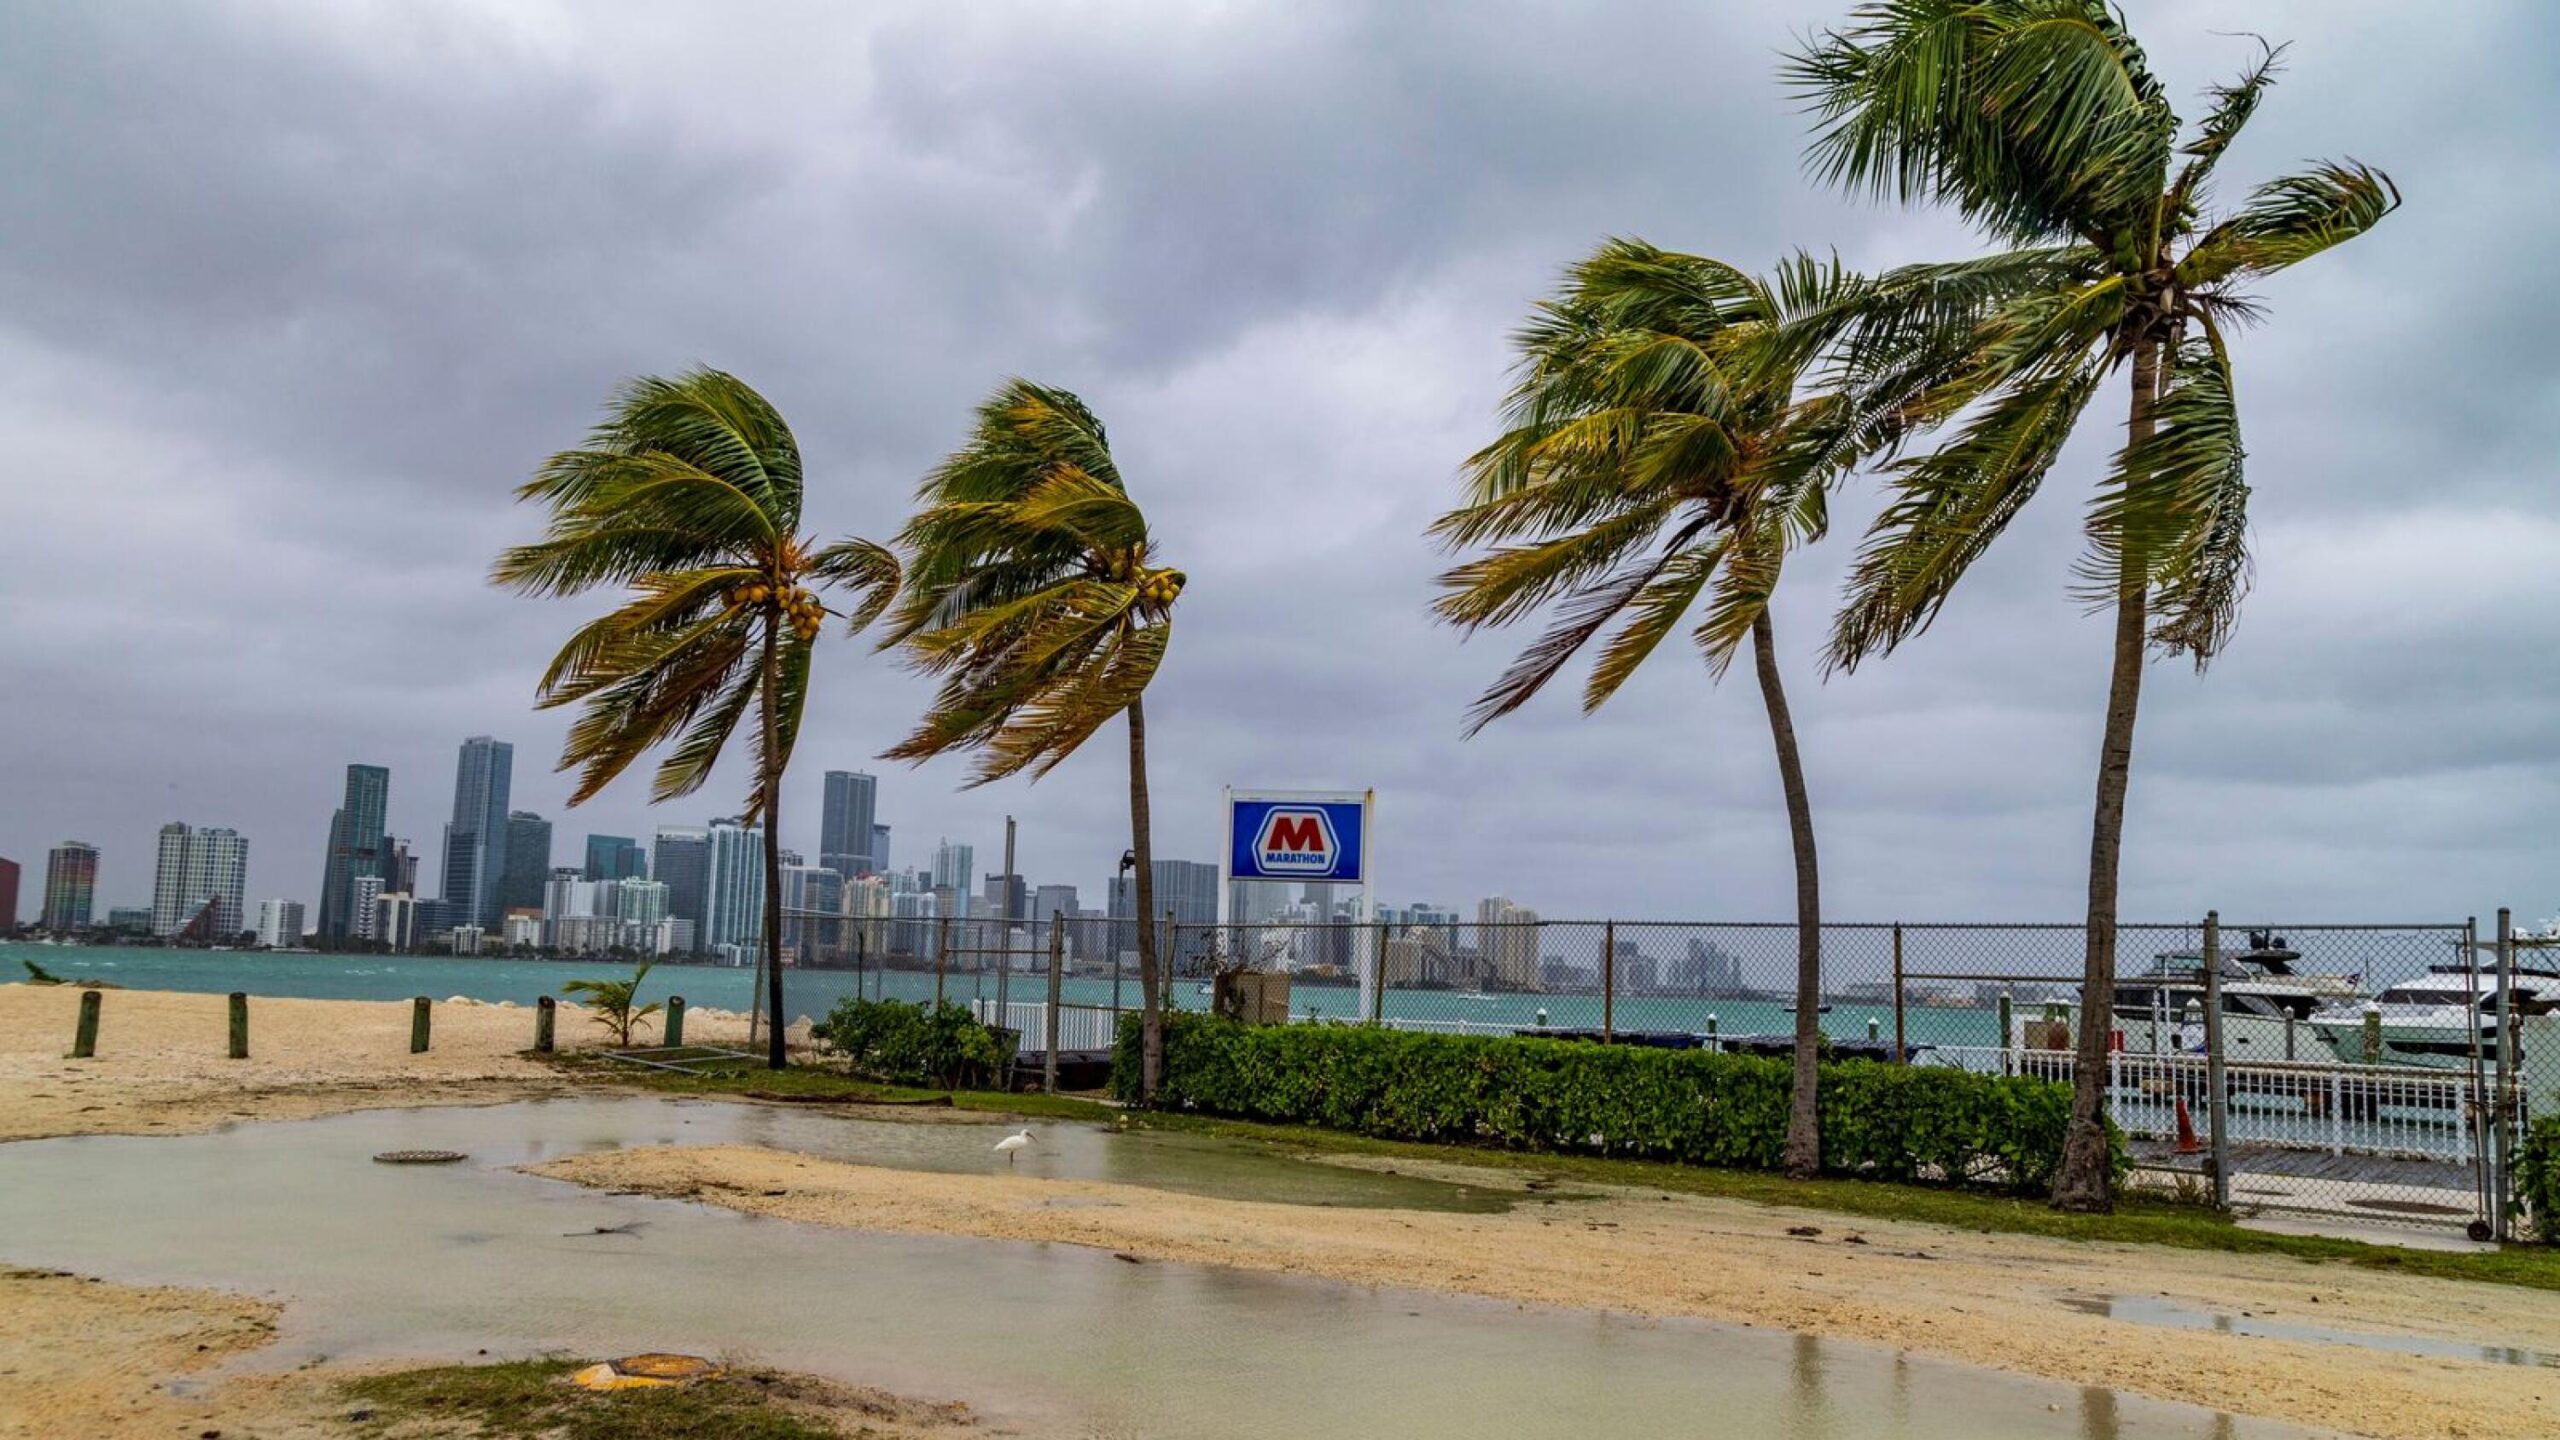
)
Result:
{"points": [[84, 1037], [239, 1025], [546, 1019], [420, 1011], [675, 1020]]}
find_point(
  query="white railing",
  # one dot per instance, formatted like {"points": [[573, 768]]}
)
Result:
{"points": [[1081, 1027], [2363, 1109]]}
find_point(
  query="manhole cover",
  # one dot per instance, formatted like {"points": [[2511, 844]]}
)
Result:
{"points": [[2411, 1207], [418, 1157]]}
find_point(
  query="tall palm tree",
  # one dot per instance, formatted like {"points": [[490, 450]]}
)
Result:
{"points": [[1658, 453], [2040, 121], [688, 495], [1032, 590]]}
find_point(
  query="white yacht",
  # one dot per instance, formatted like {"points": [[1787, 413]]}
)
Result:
{"points": [[2431, 1021], [2267, 1004]]}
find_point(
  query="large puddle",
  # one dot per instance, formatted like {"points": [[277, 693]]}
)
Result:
{"points": [[382, 1262]]}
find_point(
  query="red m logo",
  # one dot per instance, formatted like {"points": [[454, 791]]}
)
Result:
{"points": [[1294, 832]]}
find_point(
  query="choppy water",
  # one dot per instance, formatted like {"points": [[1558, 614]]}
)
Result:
{"points": [[382, 1262], [814, 992]]}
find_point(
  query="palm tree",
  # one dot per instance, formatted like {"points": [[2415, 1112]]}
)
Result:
{"points": [[1032, 590], [688, 494], [2041, 123], [1658, 453]]}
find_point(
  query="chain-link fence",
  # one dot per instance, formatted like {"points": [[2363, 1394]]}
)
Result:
{"points": [[2342, 1070]]}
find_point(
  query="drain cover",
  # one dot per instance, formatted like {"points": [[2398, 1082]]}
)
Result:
{"points": [[418, 1157], [2411, 1207]]}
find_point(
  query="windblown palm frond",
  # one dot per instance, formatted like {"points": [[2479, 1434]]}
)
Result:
{"points": [[1656, 456], [1031, 588]]}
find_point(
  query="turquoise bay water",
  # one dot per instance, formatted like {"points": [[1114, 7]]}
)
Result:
{"points": [[814, 992]]}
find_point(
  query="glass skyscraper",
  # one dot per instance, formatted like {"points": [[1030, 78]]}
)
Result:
{"points": [[733, 892], [356, 849], [845, 824], [70, 885], [682, 862], [528, 862], [615, 857], [475, 840]]}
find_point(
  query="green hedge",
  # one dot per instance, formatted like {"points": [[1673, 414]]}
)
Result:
{"points": [[1896, 1122], [903, 1044], [2538, 1177]]}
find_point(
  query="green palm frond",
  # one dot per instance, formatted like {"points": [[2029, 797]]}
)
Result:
{"points": [[1031, 588], [2290, 220], [1949, 505], [688, 495], [2037, 119], [2233, 104], [1656, 611], [2174, 511]]}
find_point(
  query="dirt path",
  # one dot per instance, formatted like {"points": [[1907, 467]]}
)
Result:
{"points": [[1994, 1300], [162, 1067]]}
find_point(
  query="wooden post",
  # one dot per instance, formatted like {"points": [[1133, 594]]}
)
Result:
{"points": [[84, 1037], [1901, 1052], [675, 1020], [239, 1025], [1608, 981], [420, 1011], [1057, 979], [546, 1019]]}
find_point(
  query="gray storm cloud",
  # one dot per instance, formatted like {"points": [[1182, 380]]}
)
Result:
{"points": [[290, 299]]}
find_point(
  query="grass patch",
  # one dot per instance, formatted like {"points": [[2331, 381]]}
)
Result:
{"points": [[818, 1082], [2137, 1220], [532, 1400]]}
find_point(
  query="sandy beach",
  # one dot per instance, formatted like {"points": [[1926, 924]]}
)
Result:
{"points": [[162, 1066], [2001, 1300]]}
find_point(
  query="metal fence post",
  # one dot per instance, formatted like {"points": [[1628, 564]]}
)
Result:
{"points": [[2217, 1101], [1057, 977], [1164, 962], [1608, 981], [1901, 1050], [1378, 979], [941, 955], [2008, 1032], [2506, 1091]]}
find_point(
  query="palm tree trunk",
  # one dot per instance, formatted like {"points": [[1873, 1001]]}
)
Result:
{"points": [[1150, 1007], [769, 780], [1803, 1155], [2086, 1180]]}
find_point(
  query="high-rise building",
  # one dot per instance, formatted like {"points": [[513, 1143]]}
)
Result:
{"points": [[681, 860], [954, 867], [1051, 900], [1507, 939], [845, 824], [1007, 898], [70, 885], [733, 890], [280, 924], [1188, 889], [399, 868], [475, 840], [615, 857], [356, 846], [812, 896], [367, 904], [8, 897], [129, 919], [395, 920], [200, 875], [528, 861], [879, 849]]}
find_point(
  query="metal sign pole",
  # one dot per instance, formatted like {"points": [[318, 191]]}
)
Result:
{"points": [[1377, 976], [2506, 1111], [2217, 1105]]}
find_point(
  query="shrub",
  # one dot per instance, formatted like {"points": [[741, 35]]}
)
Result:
{"points": [[902, 1044], [1890, 1122], [2537, 1163]]}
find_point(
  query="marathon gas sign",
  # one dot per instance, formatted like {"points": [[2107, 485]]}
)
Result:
{"points": [[1278, 838]]}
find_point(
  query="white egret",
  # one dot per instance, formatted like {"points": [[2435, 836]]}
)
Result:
{"points": [[1019, 1140]]}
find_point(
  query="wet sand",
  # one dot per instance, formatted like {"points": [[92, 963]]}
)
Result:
{"points": [[162, 1066], [1993, 1300]]}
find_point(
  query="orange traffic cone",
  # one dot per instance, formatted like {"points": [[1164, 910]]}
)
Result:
{"points": [[2188, 1144]]}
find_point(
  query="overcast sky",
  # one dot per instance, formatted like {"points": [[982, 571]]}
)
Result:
{"points": [[292, 296]]}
